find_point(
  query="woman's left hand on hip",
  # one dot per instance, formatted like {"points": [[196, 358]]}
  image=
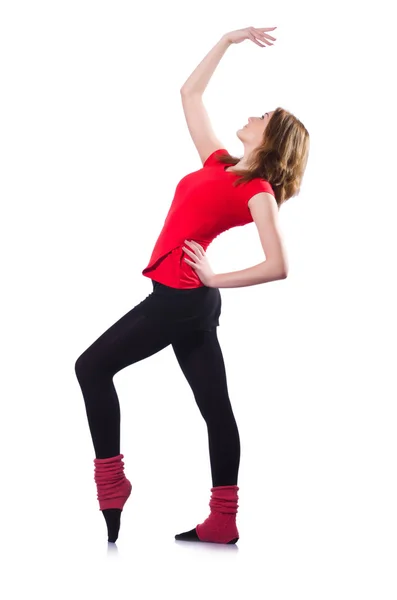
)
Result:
{"points": [[199, 262]]}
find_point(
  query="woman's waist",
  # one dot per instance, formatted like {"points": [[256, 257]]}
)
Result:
{"points": [[157, 286]]}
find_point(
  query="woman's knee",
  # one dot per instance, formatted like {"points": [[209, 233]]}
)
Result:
{"points": [[85, 364], [79, 366]]}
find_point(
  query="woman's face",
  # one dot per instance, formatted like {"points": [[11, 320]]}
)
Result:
{"points": [[252, 133], [258, 124]]}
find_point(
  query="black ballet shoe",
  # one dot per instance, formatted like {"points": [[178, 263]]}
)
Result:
{"points": [[191, 536], [188, 536], [112, 518]]}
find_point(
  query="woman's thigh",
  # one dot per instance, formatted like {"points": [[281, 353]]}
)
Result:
{"points": [[200, 357], [140, 333]]}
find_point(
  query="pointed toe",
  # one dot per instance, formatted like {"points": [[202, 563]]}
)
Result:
{"points": [[188, 536]]}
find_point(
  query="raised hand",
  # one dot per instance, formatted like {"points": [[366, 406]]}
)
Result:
{"points": [[251, 33]]}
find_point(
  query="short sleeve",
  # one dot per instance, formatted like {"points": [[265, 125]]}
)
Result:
{"points": [[255, 186], [211, 160]]}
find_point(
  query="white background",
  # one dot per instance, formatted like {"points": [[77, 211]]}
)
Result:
{"points": [[93, 143]]}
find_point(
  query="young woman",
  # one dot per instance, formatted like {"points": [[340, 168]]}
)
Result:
{"points": [[184, 307]]}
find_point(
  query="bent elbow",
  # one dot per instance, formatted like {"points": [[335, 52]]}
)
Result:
{"points": [[281, 269]]}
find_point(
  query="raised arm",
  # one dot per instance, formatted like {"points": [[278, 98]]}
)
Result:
{"points": [[198, 80]]}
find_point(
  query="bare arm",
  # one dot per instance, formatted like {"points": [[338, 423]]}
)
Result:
{"points": [[198, 80], [264, 212], [265, 271]]}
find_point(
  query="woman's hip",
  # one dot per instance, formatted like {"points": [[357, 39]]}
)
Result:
{"points": [[185, 308]]}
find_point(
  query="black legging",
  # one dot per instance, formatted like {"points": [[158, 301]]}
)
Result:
{"points": [[187, 319]]}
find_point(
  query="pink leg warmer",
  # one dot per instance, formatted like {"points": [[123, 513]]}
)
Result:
{"points": [[112, 485], [221, 526]]}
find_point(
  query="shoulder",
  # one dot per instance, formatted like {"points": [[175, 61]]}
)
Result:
{"points": [[258, 187], [262, 200], [211, 160]]}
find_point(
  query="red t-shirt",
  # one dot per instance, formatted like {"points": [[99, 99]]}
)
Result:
{"points": [[205, 204]]}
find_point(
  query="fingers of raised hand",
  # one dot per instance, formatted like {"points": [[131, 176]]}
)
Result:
{"points": [[264, 37]]}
